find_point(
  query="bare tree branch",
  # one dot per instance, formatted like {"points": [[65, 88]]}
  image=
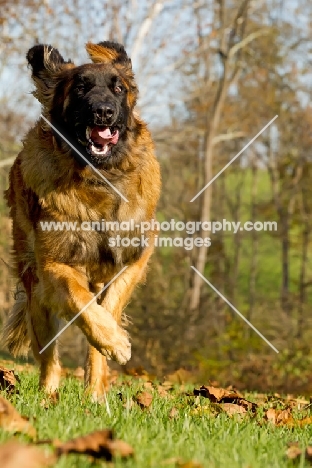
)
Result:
{"points": [[152, 13]]}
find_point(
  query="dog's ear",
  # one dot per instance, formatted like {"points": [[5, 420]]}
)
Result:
{"points": [[46, 62], [108, 52]]}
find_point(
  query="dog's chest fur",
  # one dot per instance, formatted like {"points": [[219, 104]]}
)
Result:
{"points": [[89, 243]]}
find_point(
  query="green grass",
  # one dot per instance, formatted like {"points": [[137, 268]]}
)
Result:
{"points": [[214, 441]]}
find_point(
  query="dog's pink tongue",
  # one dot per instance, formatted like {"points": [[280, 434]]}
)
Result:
{"points": [[103, 136]]}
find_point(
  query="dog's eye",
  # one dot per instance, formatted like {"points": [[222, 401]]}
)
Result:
{"points": [[118, 89], [80, 87]]}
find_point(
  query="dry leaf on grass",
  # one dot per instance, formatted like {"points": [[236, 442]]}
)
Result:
{"points": [[148, 385], [303, 422], [279, 417], [119, 448], [162, 391], [8, 379], [174, 413], [294, 452], [275, 399], [224, 396], [299, 403], [166, 385], [285, 418], [216, 394], [12, 421], [232, 408], [98, 444], [15, 455], [308, 453], [144, 399]]}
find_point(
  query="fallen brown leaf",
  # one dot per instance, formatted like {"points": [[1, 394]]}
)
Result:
{"points": [[120, 448], [12, 421], [294, 452], [174, 413], [98, 444], [148, 385], [8, 379], [308, 453], [285, 418], [166, 385], [144, 399], [222, 395], [232, 408], [162, 391], [303, 422], [279, 417], [14, 455], [216, 394], [298, 403]]}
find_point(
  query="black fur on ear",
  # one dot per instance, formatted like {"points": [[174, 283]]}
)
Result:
{"points": [[44, 59], [46, 63]]}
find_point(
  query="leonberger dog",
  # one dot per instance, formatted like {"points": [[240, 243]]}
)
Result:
{"points": [[89, 157]]}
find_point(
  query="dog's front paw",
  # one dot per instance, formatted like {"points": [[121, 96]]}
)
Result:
{"points": [[122, 349], [103, 332]]}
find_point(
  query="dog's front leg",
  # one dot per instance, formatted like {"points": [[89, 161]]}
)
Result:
{"points": [[65, 291]]}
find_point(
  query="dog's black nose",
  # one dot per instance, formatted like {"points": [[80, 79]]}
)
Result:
{"points": [[104, 112]]}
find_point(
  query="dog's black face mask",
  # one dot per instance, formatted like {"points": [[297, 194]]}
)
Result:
{"points": [[95, 111]]}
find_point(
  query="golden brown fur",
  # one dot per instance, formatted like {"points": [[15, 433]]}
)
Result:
{"points": [[60, 271]]}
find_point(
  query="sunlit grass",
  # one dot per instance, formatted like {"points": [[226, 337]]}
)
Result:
{"points": [[214, 441]]}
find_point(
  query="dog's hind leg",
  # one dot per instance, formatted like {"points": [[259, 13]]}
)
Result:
{"points": [[96, 374], [42, 327]]}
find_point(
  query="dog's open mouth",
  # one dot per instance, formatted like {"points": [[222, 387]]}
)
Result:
{"points": [[100, 140]]}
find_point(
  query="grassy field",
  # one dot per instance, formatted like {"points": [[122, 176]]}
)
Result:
{"points": [[199, 434]]}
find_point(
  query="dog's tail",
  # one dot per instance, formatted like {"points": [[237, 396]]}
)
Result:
{"points": [[14, 333]]}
